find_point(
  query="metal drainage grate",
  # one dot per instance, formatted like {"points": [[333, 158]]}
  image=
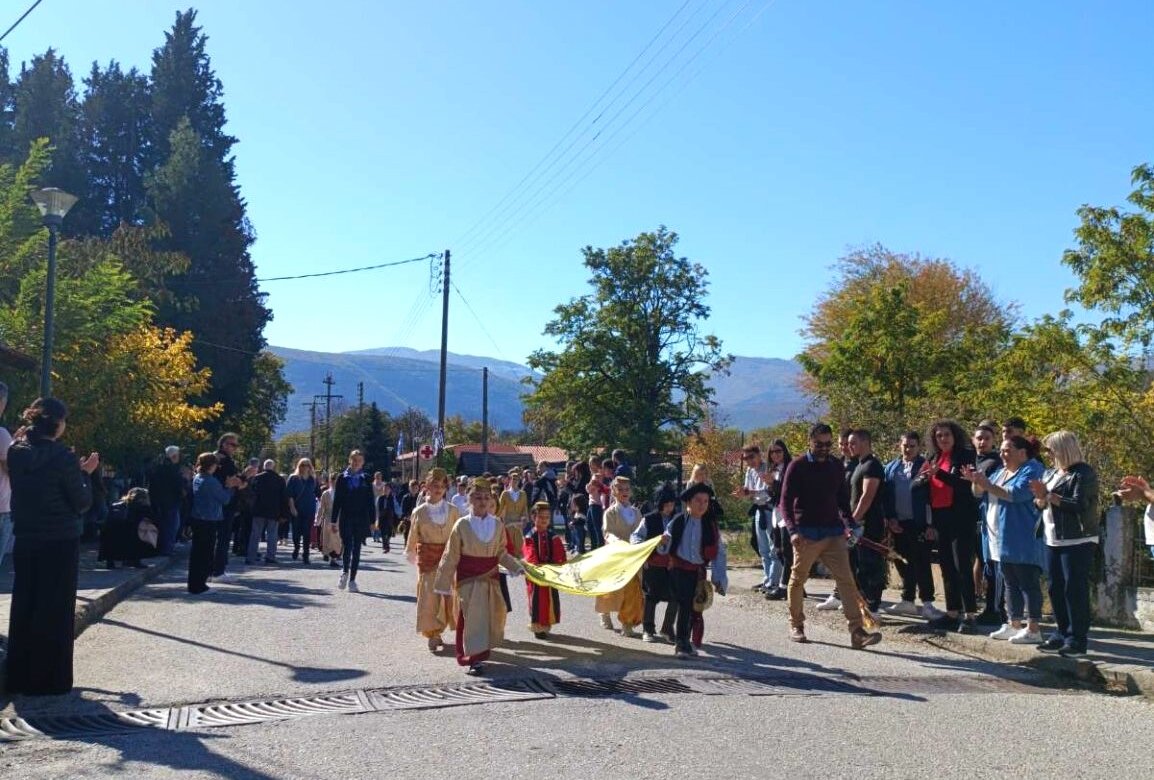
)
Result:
{"points": [[618, 687], [79, 726], [479, 693], [243, 713]]}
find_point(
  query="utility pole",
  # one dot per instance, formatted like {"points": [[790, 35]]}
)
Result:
{"points": [[360, 398], [312, 407], [484, 419], [328, 396], [444, 345]]}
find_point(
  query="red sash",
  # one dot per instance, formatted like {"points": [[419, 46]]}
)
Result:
{"points": [[428, 556], [473, 566]]}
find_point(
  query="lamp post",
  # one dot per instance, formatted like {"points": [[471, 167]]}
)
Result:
{"points": [[53, 203]]}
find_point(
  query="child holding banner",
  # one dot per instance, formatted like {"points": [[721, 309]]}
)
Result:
{"points": [[542, 546], [619, 522]]}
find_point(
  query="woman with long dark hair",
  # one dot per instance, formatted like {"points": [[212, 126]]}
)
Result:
{"points": [[953, 520], [50, 493], [779, 458]]}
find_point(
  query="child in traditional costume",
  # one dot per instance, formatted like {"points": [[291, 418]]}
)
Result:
{"points": [[543, 546], [691, 541], [655, 574], [431, 524], [477, 545], [619, 522]]}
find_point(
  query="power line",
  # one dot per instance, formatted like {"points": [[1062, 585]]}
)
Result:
{"points": [[465, 237], [540, 205], [16, 24], [506, 223], [430, 256], [480, 322]]}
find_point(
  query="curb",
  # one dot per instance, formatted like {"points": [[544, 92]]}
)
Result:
{"points": [[89, 612], [1115, 678]]}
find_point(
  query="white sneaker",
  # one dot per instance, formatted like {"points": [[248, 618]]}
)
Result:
{"points": [[1025, 637], [607, 621], [930, 612], [903, 608], [344, 581], [648, 637], [353, 587], [228, 575], [1005, 632], [830, 604]]}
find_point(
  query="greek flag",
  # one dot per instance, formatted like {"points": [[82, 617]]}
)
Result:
{"points": [[438, 441], [400, 444]]}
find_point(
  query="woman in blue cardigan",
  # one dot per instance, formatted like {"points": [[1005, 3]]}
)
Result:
{"points": [[1010, 525]]}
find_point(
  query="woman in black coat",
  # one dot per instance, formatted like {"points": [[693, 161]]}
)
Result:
{"points": [[50, 493], [120, 540], [353, 513]]}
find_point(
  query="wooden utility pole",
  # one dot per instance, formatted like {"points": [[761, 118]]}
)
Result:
{"points": [[328, 396], [484, 419], [312, 407], [444, 345]]}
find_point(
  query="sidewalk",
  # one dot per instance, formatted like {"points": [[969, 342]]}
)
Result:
{"points": [[98, 591], [1118, 660]]}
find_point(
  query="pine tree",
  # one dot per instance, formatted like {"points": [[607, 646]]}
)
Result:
{"points": [[191, 189], [378, 438], [116, 131]]}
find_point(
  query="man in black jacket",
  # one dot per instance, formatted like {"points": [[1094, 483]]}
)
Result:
{"points": [[269, 493], [166, 491]]}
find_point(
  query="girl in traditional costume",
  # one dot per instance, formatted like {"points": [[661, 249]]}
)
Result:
{"points": [[429, 531]]}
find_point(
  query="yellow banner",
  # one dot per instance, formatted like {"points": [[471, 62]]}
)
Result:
{"points": [[602, 571]]}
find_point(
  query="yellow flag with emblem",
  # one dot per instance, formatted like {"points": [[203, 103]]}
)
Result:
{"points": [[600, 572]]}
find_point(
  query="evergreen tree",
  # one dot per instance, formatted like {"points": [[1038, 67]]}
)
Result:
{"points": [[115, 132], [7, 112], [45, 105], [378, 438], [191, 189]]}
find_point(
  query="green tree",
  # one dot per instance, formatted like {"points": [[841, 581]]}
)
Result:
{"points": [[378, 438], [633, 362], [266, 404], [892, 341]]}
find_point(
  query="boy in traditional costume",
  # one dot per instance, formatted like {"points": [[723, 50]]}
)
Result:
{"points": [[477, 544], [431, 524], [542, 546], [691, 541], [655, 575], [618, 523]]}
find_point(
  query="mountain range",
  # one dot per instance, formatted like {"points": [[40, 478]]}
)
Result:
{"points": [[757, 392]]}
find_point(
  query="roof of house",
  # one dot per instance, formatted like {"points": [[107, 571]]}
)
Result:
{"points": [[544, 454]]}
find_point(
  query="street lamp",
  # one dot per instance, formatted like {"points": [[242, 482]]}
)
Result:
{"points": [[53, 203]]}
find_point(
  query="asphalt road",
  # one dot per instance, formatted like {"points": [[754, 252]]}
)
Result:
{"points": [[908, 709]]}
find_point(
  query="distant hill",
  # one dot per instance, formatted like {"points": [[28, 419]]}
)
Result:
{"points": [[758, 391]]}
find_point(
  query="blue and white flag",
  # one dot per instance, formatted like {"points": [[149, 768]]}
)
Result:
{"points": [[400, 444], [438, 441]]}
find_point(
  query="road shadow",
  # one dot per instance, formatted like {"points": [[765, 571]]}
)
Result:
{"points": [[389, 597], [268, 592]]}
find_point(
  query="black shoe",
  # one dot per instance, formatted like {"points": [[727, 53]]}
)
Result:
{"points": [[305, 561], [777, 594], [541, 634], [967, 626], [1073, 650], [295, 555], [945, 621], [989, 617], [1053, 644]]}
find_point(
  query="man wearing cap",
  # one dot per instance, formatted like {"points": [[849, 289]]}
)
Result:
{"points": [[477, 545], [542, 546], [166, 491], [815, 507], [691, 542]]}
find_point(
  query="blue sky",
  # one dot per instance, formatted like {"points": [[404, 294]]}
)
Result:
{"points": [[379, 131]]}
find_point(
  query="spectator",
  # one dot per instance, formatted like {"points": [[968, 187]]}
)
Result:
{"points": [[165, 491], [905, 510], [545, 488], [987, 577], [386, 515], [1068, 498], [624, 468], [270, 498], [50, 492], [1010, 531], [5, 483], [302, 505], [579, 521], [209, 499], [953, 520], [779, 459], [330, 537], [225, 470], [755, 488], [867, 511], [120, 539], [461, 498]]}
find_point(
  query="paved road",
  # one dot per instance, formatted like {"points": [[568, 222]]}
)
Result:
{"points": [[905, 708]]}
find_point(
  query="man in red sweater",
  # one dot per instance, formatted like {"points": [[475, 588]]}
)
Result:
{"points": [[815, 507]]}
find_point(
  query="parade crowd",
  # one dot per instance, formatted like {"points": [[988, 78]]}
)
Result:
{"points": [[994, 509]]}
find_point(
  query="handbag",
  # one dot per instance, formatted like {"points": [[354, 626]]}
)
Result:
{"points": [[148, 533]]}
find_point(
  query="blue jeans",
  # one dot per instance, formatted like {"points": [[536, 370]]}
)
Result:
{"points": [[1023, 590], [596, 516], [168, 525], [578, 535], [1070, 590], [5, 534], [770, 563], [265, 528]]}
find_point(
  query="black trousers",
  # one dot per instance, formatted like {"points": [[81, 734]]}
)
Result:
{"points": [[223, 542], [352, 536], [302, 533], [956, 555], [917, 574], [784, 553], [204, 541], [683, 587], [42, 620]]}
